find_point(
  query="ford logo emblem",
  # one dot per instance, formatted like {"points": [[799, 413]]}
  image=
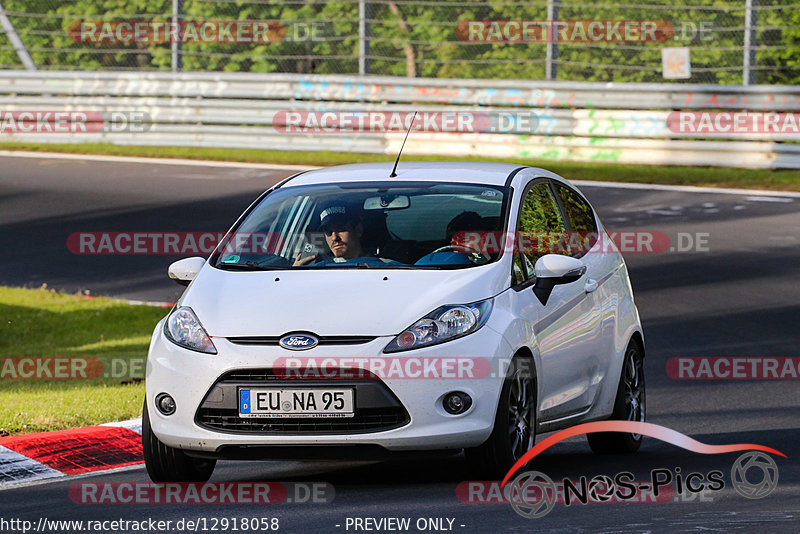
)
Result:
{"points": [[298, 342]]}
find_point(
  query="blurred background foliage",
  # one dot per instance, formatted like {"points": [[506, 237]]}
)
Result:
{"points": [[418, 38]]}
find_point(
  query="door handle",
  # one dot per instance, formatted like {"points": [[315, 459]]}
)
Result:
{"points": [[590, 286]]}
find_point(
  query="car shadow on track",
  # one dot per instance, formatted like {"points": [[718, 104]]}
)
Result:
{"points": [[571, 459]]}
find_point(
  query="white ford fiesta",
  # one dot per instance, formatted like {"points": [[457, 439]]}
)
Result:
{"points": [[358, 311]]}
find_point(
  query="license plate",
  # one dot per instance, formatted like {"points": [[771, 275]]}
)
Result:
{"points": [[295, 402]]}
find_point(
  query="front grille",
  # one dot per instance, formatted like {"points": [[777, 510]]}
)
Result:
{"points": [[323, 340], [376, 407], [365, 420]]}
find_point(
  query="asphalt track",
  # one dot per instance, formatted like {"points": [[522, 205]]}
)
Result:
{"points": [[741, 298]]}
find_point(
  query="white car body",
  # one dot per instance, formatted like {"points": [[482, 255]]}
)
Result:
{"points": [[577, 341]]}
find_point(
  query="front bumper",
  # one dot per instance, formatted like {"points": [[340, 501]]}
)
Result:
{"points": [[190, 376]]}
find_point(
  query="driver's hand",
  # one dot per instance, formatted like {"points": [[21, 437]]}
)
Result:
{"points": [[304, 261]]}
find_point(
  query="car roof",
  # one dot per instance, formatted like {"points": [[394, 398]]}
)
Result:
{"points": [[478, 172]]}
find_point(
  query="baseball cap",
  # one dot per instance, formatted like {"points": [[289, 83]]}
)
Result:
{"points": [[338, 212]]}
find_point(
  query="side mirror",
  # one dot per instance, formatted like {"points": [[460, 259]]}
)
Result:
{"points": [[183, 271], [554, 269]]}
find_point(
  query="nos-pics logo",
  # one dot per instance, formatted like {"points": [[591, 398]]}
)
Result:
{"points": [[533, 494]]}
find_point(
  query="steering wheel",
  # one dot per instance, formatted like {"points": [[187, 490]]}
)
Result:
{"points": [[463, 249]]}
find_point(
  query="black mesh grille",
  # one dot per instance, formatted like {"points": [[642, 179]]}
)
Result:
{"points": [[365, 420], [377, 408]]}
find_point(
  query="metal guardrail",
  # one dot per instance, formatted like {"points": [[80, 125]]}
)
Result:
{"points": [[624, 123]]}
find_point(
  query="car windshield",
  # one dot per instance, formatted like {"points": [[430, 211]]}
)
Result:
{"points": [[420, 225]]}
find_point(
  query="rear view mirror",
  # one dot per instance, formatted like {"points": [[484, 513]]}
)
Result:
{"points": [[387, 202], [185, 270], [554, 269]]}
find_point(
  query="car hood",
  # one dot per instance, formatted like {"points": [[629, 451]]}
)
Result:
{"points": [[357, 302]]}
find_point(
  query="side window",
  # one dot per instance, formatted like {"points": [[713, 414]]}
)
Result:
{"points": [[540, 224], [580, 216]]}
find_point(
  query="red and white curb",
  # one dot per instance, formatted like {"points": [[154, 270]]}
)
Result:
{"points": [[32, 457]]}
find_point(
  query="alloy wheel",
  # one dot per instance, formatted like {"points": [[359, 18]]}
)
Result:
{"points": [[520, 415]]}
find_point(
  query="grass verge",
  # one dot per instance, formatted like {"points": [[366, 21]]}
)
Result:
{"points": [[778, 180], [101, 344]]}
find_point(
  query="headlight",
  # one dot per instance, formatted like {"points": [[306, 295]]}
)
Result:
{"points": [[443, 324], [183, 328]]}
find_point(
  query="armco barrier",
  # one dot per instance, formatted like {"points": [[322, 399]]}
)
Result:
{"points": [[624, 123]]}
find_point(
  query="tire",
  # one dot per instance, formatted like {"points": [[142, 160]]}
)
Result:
{"points": [[514, 430], [167, 464], [630, 405]]}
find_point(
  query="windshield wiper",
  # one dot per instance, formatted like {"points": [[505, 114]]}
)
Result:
{"points": [[246, 266], [341, 265]]}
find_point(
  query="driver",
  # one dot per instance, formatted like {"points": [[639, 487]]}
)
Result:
{"points": [[462, 249], [459, 230], [343, 229]]}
